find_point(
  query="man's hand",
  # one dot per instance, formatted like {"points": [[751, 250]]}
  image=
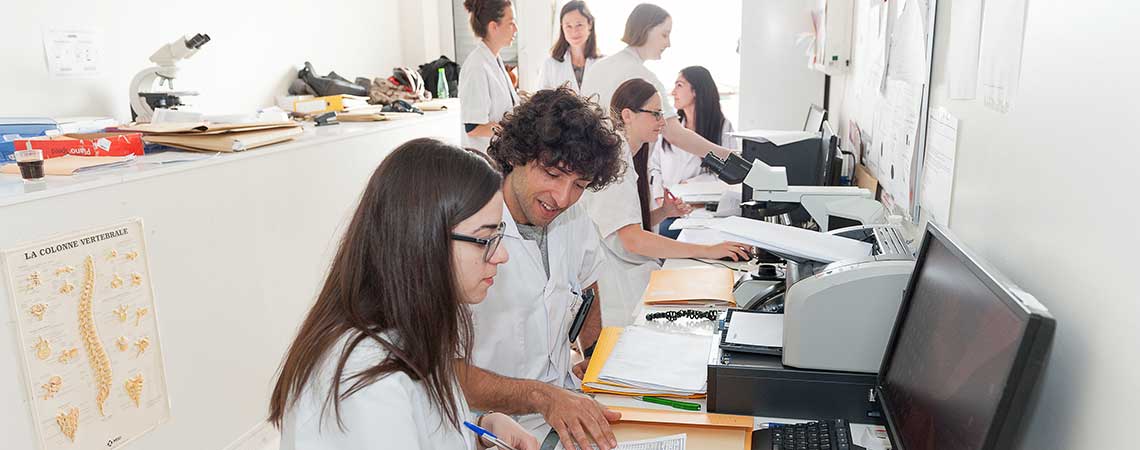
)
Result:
{"points": [[580, 368], [578, 419]]}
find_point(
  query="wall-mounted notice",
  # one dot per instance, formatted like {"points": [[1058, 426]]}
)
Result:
{"points": [[73, 53], [938, 165], [88, 337]]}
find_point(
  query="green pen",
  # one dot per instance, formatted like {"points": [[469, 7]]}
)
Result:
{"points": [[687, 406]]}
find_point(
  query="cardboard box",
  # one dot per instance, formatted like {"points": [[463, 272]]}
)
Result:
{"points": [[90, 144], [12, 128]]}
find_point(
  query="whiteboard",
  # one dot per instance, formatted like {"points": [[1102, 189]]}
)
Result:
{"points": [[889, 90]]}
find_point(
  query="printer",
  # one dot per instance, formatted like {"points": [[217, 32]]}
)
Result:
{"points": [[837, 321]]}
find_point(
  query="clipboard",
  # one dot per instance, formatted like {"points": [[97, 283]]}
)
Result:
{"points": [[727, 341], [705, 431]]}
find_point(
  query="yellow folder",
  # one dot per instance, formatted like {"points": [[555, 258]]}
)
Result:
{"points": [[694, 286], [591, 382]]}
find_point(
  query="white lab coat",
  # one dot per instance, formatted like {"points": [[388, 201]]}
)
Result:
{"points": [[392, 412], [608, 73], [627, 275], [485, 92], [555, 73], [669, 165], [522, 327]]}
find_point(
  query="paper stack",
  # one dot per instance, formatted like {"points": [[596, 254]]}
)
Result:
{"points": [[643, 361], [201, 136], [792, 241]]}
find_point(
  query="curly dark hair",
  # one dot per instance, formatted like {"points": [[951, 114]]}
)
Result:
{"points": [[560, 129]]}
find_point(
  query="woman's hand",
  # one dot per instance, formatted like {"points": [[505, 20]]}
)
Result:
{"points": [[505, 428], [673, 206], [728, 249]]}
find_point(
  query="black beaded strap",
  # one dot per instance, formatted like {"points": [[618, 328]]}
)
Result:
{"points": [[674, 314]]}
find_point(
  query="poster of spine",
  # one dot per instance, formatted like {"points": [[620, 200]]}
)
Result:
{"points": [[88, 334]]}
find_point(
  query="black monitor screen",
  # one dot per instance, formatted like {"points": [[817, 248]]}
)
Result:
{"points": [[951, 357]]}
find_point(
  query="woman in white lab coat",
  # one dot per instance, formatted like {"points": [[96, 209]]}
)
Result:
{"points": [[575, 50], [373, 364], [485, 88], [622, 214], [698, 107], [647, 33]]}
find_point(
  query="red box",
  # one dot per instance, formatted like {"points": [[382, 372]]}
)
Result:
{"points": [[89, 144]]}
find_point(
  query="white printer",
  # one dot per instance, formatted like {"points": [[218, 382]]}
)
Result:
{"points": [[838, 316]]}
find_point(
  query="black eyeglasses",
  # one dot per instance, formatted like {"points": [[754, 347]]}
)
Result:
{"points": [[656, 114], [490, 245]]}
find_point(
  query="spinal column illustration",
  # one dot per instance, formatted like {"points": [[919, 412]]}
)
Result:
{"points": [[96, 355]]}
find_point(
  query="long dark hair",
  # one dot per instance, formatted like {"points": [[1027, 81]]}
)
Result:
{"points": [[558, 52], [483, 12], [706, 99], [632, 94], [392, 274]]}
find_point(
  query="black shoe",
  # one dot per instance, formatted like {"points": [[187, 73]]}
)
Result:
{"points": [[329, 86]]}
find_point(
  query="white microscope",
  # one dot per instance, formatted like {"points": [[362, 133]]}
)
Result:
{"points": [[770, 184], [145, 98]]}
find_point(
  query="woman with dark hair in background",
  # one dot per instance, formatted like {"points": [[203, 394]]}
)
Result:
{"points": [[575, 50], [623, 216], [484, 85], [698, 106], [647, 33], [364, 371]]}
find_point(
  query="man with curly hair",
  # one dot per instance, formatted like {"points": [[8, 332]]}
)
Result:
{"points": [[551, 150]]}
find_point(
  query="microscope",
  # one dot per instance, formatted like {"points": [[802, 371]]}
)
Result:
{"points": [[831, 207], [144, 97]]}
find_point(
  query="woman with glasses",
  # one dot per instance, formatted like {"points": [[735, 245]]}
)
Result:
{"points": [[374, 363], [647, 33], [624, 218]]}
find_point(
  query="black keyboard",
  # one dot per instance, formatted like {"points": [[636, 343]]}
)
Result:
{"points": [[821, 435]]}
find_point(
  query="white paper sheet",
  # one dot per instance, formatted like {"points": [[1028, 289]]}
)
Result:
{"points": [[659, 361], [73, 53], [792, 241], [756, 329], [778, 137], [938, 165], [673, 442], [699, 188], [962, 58], [1003, 29]]}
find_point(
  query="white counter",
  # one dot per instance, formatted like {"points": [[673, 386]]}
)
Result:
{"points": [[239, 246]]}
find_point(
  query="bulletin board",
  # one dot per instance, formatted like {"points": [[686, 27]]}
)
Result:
{"points": [[893, 44]]}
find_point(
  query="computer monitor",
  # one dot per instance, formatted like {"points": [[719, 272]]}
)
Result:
{"points": [[829, 151], [964, 356], [815, 117]]}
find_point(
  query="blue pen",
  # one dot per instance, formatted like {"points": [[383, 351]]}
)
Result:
{"points": [[488, 436]]}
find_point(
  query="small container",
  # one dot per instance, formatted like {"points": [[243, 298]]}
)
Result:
{"points": [[441, 88], [31, 164]]}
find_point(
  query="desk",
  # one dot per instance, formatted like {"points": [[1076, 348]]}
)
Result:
{"points": [[858, 430], [239, 246]]}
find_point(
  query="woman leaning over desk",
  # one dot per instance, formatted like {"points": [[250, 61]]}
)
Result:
{"points": [[575, 50], [364, 371], [622, 214], [484, 85], [647, 32], [698, 106]]}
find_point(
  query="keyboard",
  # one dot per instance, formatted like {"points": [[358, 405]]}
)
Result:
{"points": [[820, 435]]}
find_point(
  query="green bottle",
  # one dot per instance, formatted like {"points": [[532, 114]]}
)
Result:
{"points": [[441, 90]]}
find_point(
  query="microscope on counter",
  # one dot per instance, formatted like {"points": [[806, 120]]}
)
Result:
{"points": [[145, 98]]}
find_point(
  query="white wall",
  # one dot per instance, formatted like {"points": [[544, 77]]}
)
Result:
{"points": [[255, 45], [776, 86], [1047, 194]]}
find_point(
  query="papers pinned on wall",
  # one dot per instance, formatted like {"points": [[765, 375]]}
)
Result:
{"points": [[938, 165], [1003, 29]]}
